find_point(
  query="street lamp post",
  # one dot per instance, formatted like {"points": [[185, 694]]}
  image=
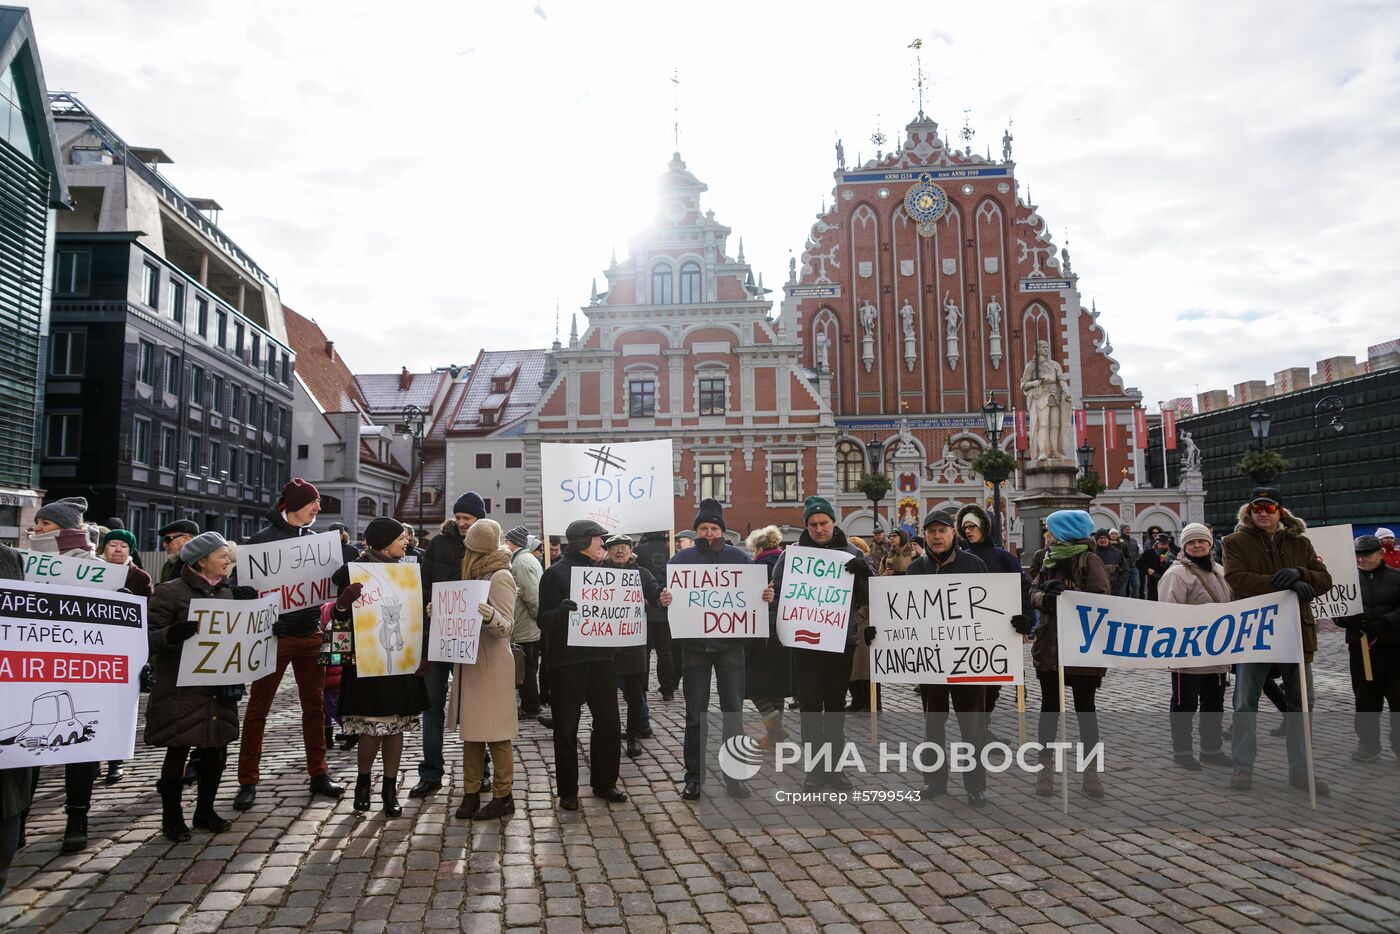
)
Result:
{"points": [[1333, 406], [414, 419], [1259, 426], [1085, 453], [876, 452], [994, 418]]}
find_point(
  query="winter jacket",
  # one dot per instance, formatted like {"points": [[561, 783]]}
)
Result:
{"points": [[184, 716], [443, 562], [1380, 606], [526, 571], [1083, 573], [298, 622], [767, 662], [958, 562], [138, 582], [1119, 568], [386, 695], [1130, 548], [170, 569], [653, 551], [899, 560], [554, 619], [632, 659], [1391, 556], [1187, 583], [482, 704], [703, 554], [998, 560], [1157, 563], [860, 593], [1252, 558]]}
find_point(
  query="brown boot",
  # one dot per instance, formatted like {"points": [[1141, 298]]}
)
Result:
{"points": [[470, 802], [1045, 782], [773, 732], [1093, 784]]}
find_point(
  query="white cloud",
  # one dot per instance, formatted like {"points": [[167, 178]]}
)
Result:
{"points": [[427, 180]]}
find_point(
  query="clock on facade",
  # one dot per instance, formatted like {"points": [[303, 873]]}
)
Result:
{"points": [[926, 203]]}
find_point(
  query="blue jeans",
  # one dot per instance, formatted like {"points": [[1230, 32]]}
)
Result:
{"points": [[1249, 684], [728, 666]]}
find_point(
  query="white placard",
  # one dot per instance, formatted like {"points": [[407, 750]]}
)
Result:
{"points": [[814, 607], [717, 601], [1337, 549], [1117, 632], [70, 665], [622, 487], [946, 629], [612, 611], [297, 570], [388, 618], [454, 630], [44, 568], [234, 645]]}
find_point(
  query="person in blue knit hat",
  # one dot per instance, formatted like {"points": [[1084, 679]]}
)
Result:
{"points": [[1070, 565]]}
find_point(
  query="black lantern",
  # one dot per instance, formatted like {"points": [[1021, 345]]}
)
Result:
{"points": [[1327, 405], [876, 452], [1085, 452], [994, 417], [1259, 426]]}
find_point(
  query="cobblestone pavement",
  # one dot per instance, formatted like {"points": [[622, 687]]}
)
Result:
{"points": [[1258, 862]]}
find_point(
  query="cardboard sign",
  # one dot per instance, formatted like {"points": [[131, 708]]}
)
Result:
{"points": [[388, 618], [1117, 632], [297, 570], [70, 665], [44, 568], [234, 645], [1335, 545], [619, 486], [717, 601], [454, 633], [946, 629], [814, 605], [612, 612]]}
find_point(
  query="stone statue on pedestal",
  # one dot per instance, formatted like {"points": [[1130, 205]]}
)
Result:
{"points": [[1191, 457], [1048, 404]]}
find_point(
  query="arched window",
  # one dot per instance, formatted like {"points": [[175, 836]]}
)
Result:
{"points": [[661, 284], [690, 284], [367, 507], [850, 464]]}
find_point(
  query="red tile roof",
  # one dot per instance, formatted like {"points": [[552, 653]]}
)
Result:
{"points": [[382, 392], [520, 398], [320, 367]]}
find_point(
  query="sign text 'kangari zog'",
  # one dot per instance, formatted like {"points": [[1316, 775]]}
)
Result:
{"points": [[297, 570], [612, 611], [717, 601], [1117, 632], [946, 629], [814, 605], [619, 486], [234, 644]]}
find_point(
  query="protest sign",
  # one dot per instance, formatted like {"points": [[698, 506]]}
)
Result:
{"points": [[70, 663], [717, 601], [44, 568], [1335, 545], [1116, 632], [388, 618], [454, 632], [612, 612], [619, 486], [946, 629], [297, 570], [814, 607], [234, 645]]}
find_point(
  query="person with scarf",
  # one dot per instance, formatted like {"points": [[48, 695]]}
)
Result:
{"points": [[195, 717], [822, 677], [1069, 565], [482, 701], [380, 709], [1193, 579]]}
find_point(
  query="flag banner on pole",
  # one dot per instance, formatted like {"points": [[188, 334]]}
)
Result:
{"points": [[1169, 428], [1140, 427], [1081, 426], [1023, 434], [1111, 423]]}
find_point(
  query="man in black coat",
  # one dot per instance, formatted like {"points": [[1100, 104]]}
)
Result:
{"points": [[1115, 562], [1153, 564], [653, 552], [299, 645], [172, 538], [443, 562], [822, 677], [1379, 624], [632, 660], [580, 674]]}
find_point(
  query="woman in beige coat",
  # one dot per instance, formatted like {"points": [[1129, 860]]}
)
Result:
{"points": [[1193, 579], [482, 707]]}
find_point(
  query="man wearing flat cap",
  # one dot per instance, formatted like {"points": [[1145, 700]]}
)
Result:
{"points": [[1378, 624], [172, 538], [1269, 552]]}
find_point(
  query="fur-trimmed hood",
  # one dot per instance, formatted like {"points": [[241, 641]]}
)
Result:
{"points": [[980, 514], [1287, 522]]}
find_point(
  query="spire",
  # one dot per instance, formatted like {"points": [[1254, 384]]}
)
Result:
{"points": [[919, 64], [612, 263], [593, 297], [741, 249], [676, 109], [573, 329]]}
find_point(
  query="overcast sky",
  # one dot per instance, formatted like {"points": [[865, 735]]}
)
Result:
{"points": [[429, 179]]}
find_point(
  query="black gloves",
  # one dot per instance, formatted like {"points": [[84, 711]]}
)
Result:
{"points": [[177, 633], [1303, 589], [568, 606], [869, 634], [858, 566], [1350, 622], [244, 592], [1285, 578], [1053, 589], [1022, 624]]}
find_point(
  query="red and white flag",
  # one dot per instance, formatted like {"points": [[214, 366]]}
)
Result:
{"points": [[1081, 426], [1140, 426], [1169, 428], [1111, 428], [1023, 434]]}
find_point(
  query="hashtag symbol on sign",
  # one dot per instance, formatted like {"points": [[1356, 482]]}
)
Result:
{"points": [[603, 458], [605, 519]]}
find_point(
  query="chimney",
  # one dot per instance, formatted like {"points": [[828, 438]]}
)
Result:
{"points": [[405, 380], [330, 349]]}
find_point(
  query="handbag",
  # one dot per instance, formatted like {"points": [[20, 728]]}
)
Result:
{"points": [[337, 638], [519, 654]]}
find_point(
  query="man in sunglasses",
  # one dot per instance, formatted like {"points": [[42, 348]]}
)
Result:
{"points": [[1269, 553], [172, 539]]}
